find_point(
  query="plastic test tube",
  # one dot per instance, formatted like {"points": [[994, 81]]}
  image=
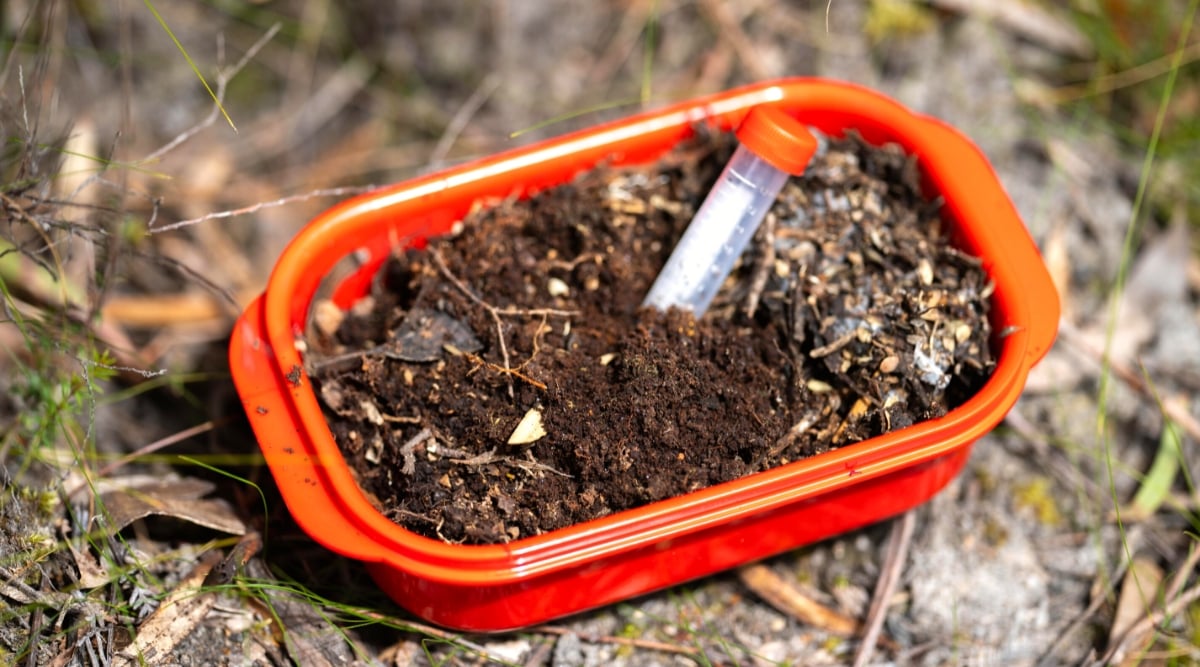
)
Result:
{"points": [[771, 146]]}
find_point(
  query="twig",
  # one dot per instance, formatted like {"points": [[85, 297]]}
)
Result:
{"points": [[604, 67], [1101, 597], [35, 629], [788, 439], [542, 654], [511, 371], [463, 116], [407, 450], [1181, 576], [533, 464], [1029, 21], [495, 312], [419, 628], [479, 459], [893, 563], [633, 642], [839, 343], [154, 447], [441, 264], [766, 263], [223, 79], [254, 208]]}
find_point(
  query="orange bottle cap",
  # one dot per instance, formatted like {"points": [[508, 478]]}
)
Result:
{"points": [[773, 135]]}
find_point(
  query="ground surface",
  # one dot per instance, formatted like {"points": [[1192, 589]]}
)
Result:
{"points": [[1021, 559]]}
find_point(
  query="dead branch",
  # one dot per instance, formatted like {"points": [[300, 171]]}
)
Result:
{"points": [[729, 30]]}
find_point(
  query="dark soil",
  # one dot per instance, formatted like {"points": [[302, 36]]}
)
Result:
{"points": [[851, 315]]}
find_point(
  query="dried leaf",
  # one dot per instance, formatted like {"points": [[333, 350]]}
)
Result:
{"points": [[1139, 594], [1057, 255], [182, 499], [327, 317], [425, 333], [92, 573]]}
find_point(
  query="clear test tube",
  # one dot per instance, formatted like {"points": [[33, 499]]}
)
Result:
{"points": [[772, 145]]}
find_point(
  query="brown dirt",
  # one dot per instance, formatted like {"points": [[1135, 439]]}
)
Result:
{"points": [[864, 320]]}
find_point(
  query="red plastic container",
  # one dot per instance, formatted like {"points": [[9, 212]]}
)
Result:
{"points": [[506, 586]]}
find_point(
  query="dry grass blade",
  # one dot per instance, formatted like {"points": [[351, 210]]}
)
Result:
{"points": [[1102, 594], [309, 635], [1184, 572], [223, 79], [150, 449]]}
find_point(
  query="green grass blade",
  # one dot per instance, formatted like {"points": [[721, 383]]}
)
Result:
{"points": [[574, 114], [648, 51], [1131, 235], [225, 473], [1159, 479], [170, 33]]}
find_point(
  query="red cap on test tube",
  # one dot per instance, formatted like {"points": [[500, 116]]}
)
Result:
{"points": [[782, 141]]}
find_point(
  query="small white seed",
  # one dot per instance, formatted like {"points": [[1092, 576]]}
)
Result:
{"points": [[819, 387], [925, 272], [962, 332], [556, 287]]}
